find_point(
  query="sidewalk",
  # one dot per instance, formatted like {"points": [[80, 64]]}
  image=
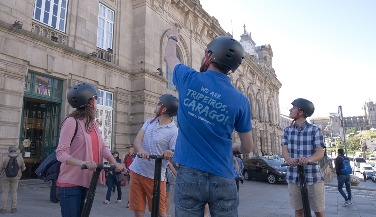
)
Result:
{"points": [[363, 198], [256, 198]]}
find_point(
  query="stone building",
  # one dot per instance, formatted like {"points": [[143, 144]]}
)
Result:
{"points": [[118, 46], [370, 112]]}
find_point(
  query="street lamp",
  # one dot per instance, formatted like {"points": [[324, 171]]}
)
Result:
{"points": [[340, 115]]}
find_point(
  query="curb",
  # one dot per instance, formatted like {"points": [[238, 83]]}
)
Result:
{"points": [[352, 187]]}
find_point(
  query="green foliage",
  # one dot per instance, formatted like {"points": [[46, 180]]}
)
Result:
{"points": [[353, 143], [351, 130]]}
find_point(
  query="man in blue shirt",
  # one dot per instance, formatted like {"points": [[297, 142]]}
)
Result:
{"points": [[303, 142], [210, 109]]}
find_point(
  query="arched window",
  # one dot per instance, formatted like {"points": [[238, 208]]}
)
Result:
{"points": [[270, 113], [258, 110]]}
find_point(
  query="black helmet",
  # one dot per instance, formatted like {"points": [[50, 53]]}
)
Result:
{"points": [[305, 105], [170, 103], [226, 51], [80, 95]]}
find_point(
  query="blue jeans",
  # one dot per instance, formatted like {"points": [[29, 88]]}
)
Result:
{"points": [[344, 179], [111, 182], [194, 188], [72, 200]]}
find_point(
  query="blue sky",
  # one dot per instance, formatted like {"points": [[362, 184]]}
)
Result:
{"points": [[324, 50]]}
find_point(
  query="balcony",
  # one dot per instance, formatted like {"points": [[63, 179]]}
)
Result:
{"points": [[49, 33], [106, 55]]}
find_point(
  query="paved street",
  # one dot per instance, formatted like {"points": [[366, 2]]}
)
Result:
{"points": [[256, 199]]}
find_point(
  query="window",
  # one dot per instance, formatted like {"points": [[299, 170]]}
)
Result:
{"points": [[104, 115], [52, 13], [43, 87], [105, 27]]}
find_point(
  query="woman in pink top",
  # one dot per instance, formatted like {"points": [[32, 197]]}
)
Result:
{"points": [[87, 147]]}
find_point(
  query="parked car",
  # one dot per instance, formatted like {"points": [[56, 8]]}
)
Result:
{"points": [[265, 169], [374, 176], [372, 157], [367, 171], [358, 161]]}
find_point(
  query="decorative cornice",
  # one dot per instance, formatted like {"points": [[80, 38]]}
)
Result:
{"points": [[123, 96], [11, 69], [144, 98]]}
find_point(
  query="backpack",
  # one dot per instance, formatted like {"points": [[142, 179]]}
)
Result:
{"points": [[346, 168], [50, 167], [12, 167]]}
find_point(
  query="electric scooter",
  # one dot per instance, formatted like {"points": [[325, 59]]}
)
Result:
{"points": [[303, 188], [88, 202], [157, 184]]}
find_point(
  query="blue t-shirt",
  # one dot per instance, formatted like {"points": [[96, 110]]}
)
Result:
{"points": [[210, 108]]}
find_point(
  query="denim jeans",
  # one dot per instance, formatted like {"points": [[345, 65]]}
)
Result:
{"points": [[344, 179], [112, 182], [194, 188], [72, 200]]}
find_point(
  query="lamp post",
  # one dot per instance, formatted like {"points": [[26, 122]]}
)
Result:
{"points": [[340, 115]]}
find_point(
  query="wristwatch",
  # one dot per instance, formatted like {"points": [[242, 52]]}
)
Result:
{"points": [[173, 37]]}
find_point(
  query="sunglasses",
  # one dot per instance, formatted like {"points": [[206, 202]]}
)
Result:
{"points": [[95, 97]]}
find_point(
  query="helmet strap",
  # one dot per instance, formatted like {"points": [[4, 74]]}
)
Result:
{"points": [[207, 61], [296, 118], [158, 114]]}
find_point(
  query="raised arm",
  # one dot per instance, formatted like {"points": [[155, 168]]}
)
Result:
{"points": [[170, 53]]}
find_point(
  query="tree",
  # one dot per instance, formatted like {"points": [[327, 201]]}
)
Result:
{"points": [[353, 143], [351, 130]]}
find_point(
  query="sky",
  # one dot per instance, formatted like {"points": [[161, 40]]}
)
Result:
{"points": [[323, 50]]}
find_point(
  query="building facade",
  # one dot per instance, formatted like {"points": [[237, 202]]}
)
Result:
{"points": [[118, 46]]}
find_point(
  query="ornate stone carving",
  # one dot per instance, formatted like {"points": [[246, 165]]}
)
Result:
{"points": [[12, 69], [49, 33]]}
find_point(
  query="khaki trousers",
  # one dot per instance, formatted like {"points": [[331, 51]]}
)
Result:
{"points": [[12, 185]]}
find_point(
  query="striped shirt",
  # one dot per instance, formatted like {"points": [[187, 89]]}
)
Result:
{"points": [[302, 142], [157, 139]]}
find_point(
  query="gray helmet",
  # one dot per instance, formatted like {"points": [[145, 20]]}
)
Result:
{"points": [[304, 105], [80, 95], [226, 51], [170, 102]]}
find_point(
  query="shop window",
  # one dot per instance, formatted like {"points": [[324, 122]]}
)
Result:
{"points": [[105, 30], [51, 12], [43, 87], [104, 115]]}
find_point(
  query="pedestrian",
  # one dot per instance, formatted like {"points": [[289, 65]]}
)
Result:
{"points": [[10, 182], [87, 147], [240, 163], [128, 159], [210, 109], [303, 142], [241, 167], [343, 178], [114, 179], [170, 183], [238, 176], [156, 137]]}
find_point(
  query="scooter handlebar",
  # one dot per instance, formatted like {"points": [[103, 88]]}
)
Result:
{"points": [[101, 166], [153, 156], [309, 163]]}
